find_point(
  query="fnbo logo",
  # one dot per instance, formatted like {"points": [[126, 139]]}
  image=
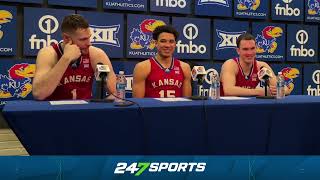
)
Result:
{"points": [[171, 3], [137, 168]]}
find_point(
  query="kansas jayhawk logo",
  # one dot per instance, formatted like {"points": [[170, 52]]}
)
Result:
{"points": [[290, 74], [5, 17], [248, 5], [18, 81], [266, 42], [142, 37], [313, 7]]}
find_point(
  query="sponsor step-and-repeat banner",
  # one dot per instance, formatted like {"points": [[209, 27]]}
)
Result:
{"points": [[222, 8], [312, 11], [133, 5], [193, 42], [140, 43], [26, 1], [302, 43], [270, 39], [292, 76], [107, 35], [287, 10], [77, 3], [8, 30], [311, 76], [226, 33], [16, 80], [171, 6], [253, 9], [42, 29]]}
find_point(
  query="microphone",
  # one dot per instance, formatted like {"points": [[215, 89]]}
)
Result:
{"points": [[101, 71], [75, 64], [198, 73], [264, 74]]}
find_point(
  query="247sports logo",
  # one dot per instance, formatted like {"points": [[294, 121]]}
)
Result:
{"points": [[137, 168]]}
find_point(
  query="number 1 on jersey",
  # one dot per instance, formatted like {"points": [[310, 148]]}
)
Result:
{"points": [[74, 93]]}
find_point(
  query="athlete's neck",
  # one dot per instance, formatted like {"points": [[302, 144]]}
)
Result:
{"points": [[246, 67], [164, 61]]}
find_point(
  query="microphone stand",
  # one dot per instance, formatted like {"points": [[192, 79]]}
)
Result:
{"points": [[266, 84], [100, 90], [198, 96]]}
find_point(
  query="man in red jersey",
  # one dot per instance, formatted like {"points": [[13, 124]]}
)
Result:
{"points": [[239, 76], [66, 70], [162, 75]]}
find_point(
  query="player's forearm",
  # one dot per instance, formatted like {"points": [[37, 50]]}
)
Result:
{"points": [[45, 85], [111, 83], [239, 91]]}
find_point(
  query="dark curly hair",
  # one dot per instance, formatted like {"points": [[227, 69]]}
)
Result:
{"points": [[167, 29]]}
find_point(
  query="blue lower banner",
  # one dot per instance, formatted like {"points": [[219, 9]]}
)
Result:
{"points": [[160, 167]]}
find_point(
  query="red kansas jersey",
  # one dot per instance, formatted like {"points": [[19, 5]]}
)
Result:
{"points": [[162, 82], [249, 82], [75, 83]]}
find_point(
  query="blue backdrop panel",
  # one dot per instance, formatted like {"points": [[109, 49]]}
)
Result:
{"points": [[254, 9], [77, 3], [42, 29], [193, 41], [287, 10], [139, 34], [271, 41], [221, 8], [225, 36], [292, 75], [8, 30], [311, 77], [26, 1], [312, 11], [16, 80], [128, 68], [107, 35], [171, 6], [133, 5], [302, 43]]}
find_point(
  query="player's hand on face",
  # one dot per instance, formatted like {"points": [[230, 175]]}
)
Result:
{"points": [[71, 51]]}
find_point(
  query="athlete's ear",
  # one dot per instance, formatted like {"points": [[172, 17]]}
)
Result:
{"points": [[66, 38]]}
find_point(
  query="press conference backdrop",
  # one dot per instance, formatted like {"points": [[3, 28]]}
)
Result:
{"points": [[286, 32]]}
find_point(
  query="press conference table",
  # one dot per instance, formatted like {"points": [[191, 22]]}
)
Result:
{"points": [[251, 126]]}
